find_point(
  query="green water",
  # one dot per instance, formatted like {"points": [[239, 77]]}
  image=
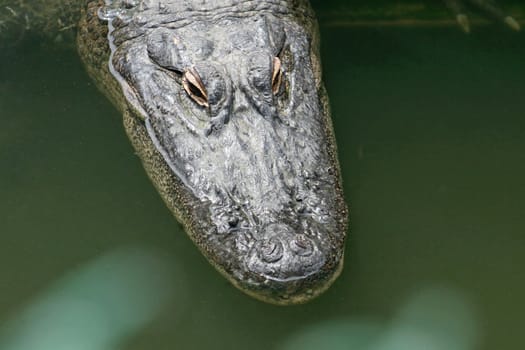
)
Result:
{"points": [[431, 132]]}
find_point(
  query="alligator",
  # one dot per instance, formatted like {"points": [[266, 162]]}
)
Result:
{"points": [[224, 103]]}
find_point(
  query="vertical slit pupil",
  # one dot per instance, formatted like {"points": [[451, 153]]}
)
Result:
{"points": [[194, 88]]}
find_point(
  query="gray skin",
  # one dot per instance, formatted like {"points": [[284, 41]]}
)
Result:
{"points": [[224, 103]]}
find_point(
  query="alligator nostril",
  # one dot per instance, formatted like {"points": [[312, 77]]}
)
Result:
{"points": [[270, 250], [302, 245], [233, 222]]}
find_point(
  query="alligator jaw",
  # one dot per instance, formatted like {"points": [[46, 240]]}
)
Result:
{"points": [[292, 292]]}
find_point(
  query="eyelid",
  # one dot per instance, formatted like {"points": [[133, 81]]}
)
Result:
{"points": [[167, 50]]}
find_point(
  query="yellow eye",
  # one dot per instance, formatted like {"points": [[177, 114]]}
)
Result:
{"points": [[276, 75], [192, 83]]}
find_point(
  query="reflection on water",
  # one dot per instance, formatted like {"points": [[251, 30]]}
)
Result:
{"points": [[431, 135], [433, 319], [96, 306]]}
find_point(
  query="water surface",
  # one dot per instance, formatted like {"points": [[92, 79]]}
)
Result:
{"points": [[431, 137]]}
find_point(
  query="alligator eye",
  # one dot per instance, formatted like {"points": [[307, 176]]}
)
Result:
{"points": [[192, 83], [276, 75]]}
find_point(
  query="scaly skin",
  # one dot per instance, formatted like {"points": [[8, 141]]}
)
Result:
{"points": [[311, 246]]}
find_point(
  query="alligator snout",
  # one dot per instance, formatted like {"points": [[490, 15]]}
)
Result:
{"points": [[284, 255], [287, 261]]}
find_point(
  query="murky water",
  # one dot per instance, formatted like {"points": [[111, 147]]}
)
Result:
{"points": [[431, 132]]}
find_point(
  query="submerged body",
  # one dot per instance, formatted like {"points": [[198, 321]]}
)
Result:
{"points": [[224, 103]]}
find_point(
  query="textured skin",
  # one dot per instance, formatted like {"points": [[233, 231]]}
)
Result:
{"points": [[254, 176]]}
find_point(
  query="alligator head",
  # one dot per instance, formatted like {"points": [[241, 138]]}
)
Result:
{"points": [[227, 110]]}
